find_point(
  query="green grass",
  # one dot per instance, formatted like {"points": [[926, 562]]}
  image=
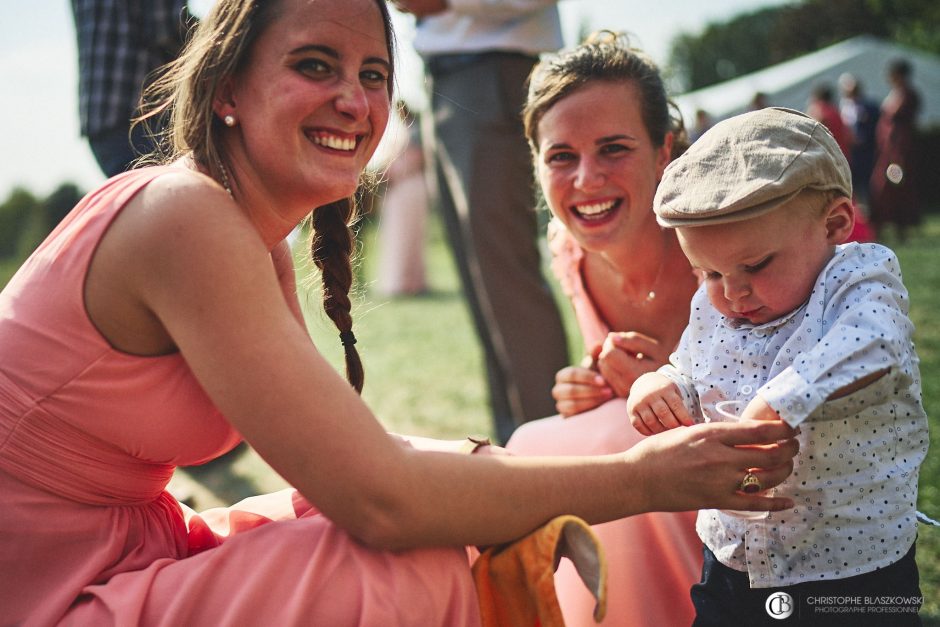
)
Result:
{"points": [[424, 372], [919, 258], [423, 365]]}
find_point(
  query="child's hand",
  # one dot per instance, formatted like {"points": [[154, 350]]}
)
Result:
{"points": [[625, 356], [579, 389], [758, 409], [655, 405]]}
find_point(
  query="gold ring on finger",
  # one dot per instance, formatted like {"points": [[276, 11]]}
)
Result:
{"points": [[750, 483]]}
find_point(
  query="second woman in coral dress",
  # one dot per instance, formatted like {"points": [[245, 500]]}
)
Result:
{"points": [[598, 121]]}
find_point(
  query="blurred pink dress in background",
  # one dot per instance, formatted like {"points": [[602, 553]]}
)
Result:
{"points": [[403, 219]]}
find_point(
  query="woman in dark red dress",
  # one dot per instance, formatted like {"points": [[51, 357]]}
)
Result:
{"points": [[893, 182]]}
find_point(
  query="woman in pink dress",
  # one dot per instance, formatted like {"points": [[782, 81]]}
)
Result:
{"points": [[158, 325], [599, 124]]}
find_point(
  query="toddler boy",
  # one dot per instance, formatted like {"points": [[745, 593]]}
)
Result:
{"points": [[804, 329]]}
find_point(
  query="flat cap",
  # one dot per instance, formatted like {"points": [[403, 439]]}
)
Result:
{"points": [[748, 165]]}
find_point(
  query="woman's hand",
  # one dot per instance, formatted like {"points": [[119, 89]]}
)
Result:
{"points": [[655, 405], [625, 356], [578, 389], [706, 463], [610, 371]]}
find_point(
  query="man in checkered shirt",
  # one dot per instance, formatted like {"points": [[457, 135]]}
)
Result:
{"points": [[120, 42]]}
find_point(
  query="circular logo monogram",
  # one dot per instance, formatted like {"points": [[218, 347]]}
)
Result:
{"points": [[779, 605]]}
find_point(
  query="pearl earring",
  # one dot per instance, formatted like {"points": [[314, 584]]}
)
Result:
{"points": [[229, 120]]}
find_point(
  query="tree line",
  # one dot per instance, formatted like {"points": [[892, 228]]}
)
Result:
{"points": [[25, 220], [753, 41]]}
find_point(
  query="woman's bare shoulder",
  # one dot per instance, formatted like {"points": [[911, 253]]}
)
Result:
{"points": [[181, 205], [180, 188], [182, 228]]}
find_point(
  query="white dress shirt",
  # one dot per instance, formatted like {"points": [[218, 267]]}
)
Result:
{"points": [[468, 26], [855, 478]]}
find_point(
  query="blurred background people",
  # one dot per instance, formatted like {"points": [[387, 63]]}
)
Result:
{"points": [[403, 212], [120, 42], [758, 101], [703, 122], [860, 114], [822, 107], [478, 55]]}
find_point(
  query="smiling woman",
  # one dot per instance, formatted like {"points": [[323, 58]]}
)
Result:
{"points": [[159, 324]]}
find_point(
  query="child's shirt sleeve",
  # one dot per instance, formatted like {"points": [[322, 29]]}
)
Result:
{"points": [[865, 330], [679, 371]]}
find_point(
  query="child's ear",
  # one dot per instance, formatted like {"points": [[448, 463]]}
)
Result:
{"points": [[840, 220]]}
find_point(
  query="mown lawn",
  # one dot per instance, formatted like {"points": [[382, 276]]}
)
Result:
{"points": [[919, 263]]}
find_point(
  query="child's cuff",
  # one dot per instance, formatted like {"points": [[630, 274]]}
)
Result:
{"points": [[791, 396]]}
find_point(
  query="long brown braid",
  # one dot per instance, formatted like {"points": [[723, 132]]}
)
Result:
{"points": [[331, 249]]}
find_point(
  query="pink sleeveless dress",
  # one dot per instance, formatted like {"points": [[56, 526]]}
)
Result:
{"points": [[89, 437], [652, 559]]}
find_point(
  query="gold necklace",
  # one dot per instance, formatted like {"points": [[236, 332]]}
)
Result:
{"points": [[651, 294]]}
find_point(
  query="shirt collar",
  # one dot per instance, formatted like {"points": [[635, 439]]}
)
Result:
{"points": [[764, 328]]}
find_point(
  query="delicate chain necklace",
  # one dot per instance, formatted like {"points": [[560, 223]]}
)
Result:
{"points": [[651, 295], [224, 174]]}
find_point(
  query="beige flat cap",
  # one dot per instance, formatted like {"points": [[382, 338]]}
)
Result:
{"points": [[749, 165]]}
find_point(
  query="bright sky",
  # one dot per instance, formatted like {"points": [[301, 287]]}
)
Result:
{"points": [[39, 136]]}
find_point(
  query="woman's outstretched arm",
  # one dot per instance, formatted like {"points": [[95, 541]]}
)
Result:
{"points": [[183, 253]]}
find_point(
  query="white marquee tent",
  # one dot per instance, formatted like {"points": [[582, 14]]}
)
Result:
{"points": [[789, 84]]}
